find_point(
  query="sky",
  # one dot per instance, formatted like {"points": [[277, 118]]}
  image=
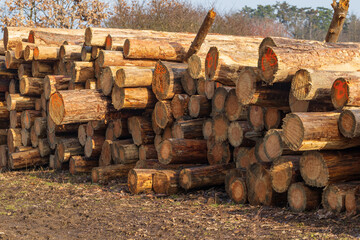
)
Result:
{"points": [[234, 5]]}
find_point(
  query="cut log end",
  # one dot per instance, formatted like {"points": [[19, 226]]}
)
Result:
{"points": [[313, 169], [208, 129], [194, 66], [268, 64], [256, 117], [185, 179], [246, 86], [350, 203], [273, 145], [211, 63], [281, 175], [235, 134], [301, 84], [340, 93], [293, 131], [347, 124], [56, 108], [220, 128], [238, 190], [165, 152]]}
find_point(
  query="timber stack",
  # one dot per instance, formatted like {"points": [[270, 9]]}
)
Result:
{"points": [[173, 112]]}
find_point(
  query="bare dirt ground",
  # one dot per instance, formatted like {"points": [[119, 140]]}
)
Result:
{"points": [[46, 205]]}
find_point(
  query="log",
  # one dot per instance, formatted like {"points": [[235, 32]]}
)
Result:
{"points": [[41, 69], [349, 123], [220, 128], [272, 118], [24, 70], [108, 173], [116, 58], [13, 139], [127, 153], [40, 126], [182, 151], [68, 147], [315, 131], [235, 185], [70, 52], [3, 136], [82, 71], [206, 176], [284, 172], [11, 62], [95, 51], [140, 180], [105, 158], [115, 146], [68, 128], [344, 92], [218, 101], [188, 129], [44, 147], [107, 79], [134, 77], [199, 106], [3, 156], [79, 164], [56, 36], [163, 114], [15, 119], [132, 98], [26, 159], [156, 128], [82, 134], [340, 11], [142, 132], [309, 105], [20, 47], [29, 52], [121, 128], [154, 164], [166, 182], [46, 53], [188, 83], [147, 152], [76, 86], [352, 203], [38, 105], [260, 153], [236, 133], [260, 192], [93, 146], [179, 105], [167, 79], [91, 84], [218, 152], [95, 128], [275, 146], [157, 50], [256, 117], [54, 83], [319, 169], [65, 106], [86, 53], [245, 157], [303, 198], [12, 87], [234, 110], [209, 89], [333, 197], [34, 138], [30, 86], [4, 113], [13, 34], [207, 129]]}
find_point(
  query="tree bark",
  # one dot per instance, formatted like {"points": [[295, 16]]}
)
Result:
{"points": [[67, 148], [82, 71], [108, 173], [116, 58], [147, 152], [93, 146], [142, 132], [79, 164], [70, 52], [337, 23], [134, 77], [46, 53], [188, 129], [140, 180], [56, 36], [107, 79], [132, 98], [166, 182], [218, 152], [303, 198], [199, 106], [30, 86], [54, 83], [26, 159], [179, 106], [13, 139]]}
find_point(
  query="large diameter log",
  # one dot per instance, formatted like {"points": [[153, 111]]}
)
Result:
{"points": [[235, 185], [116, 58], [333, 197], [207, 176], [158, 50], [93, 146], [108, 173], [277, 64], [218, 152], [45, 53], [140, 180], [68, 106], [147, 152], [30, 86], [67, 148], [188, 129], [26, 159], [13, 34], [344, 92], [82, 71], [132, 98], [303, 198], [70, 52], [53, 83], [142, 132], [163, 114], [166, 182], [320, 169], [107, 79], [234, 110], [349, 122], [13, 139], [134, 77], [260, 192], [182, 151], [315, 131], [79, 164], [167, 79], [199, 106], [179, 105]]}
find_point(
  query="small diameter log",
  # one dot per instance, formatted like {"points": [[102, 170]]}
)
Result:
{"points": [[236, 133], [260, 152], [167, 79], [140, 180], [40, 126], [234, 110], [52, 139], [95, 51], [68, 128], [26, 159], [315, 131], [196, 67], [115, 146], [41, 69], [24, 70], [156, 128], [86, 53], [45, 53], [260, 192], [182, 151], [132, 98], [107, 79], [34, 138], [352, 201], [82, 71], [65, 106], [188, 83], [11, 62], [121, 128], [199, 106], [147, 152], [19, 103], [344, 92], [3, 136], [44, 147], [303, 198], [179, 105], [142, 132], [274, 145], [128, 153], [13, 139], [76, 86], [109, 133], [79, 164], [218, 152], [284, 172], [309, 105], [272, 118], [20, 49], [116, 58], [163, 114], [245, 157], [333, 197], [15, 119], [54, 83], [157, 50], [340, 11], [200, 86], [134, 77], [218, 101], [256, 117], [106, 154], [166, 182], [188, 129], [108, 173], [206, 176], [68, 147], [3, 156], [29, 53], [207, 129], [12, 87], [95, 127], [38, 105], [4, 113], [235, 185], [70, 52], [93, 146], [209, 89], [82, 134], [349, 122], [319, 169], [25, 137], [220, 128]]}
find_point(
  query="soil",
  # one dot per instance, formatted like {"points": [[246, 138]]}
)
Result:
{"points": [[46, 205]]}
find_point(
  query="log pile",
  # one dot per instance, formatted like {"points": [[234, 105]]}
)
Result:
{"points": [[238, 111]]}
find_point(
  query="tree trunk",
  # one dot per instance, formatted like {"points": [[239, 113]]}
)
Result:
{"points": [[206, 176], [91, 84], [166, 182], [140, 180], [79, 164], [337, 23], [303, 198], [207, 129], [108, 173], [188, 129], [199, 106], [40, 126], [182, 151], [132, 98]]}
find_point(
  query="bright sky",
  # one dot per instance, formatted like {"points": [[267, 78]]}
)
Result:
{"points": [[234, 5]]}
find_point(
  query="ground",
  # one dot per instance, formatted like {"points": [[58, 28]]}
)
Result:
{"points": [[46, 205]]}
